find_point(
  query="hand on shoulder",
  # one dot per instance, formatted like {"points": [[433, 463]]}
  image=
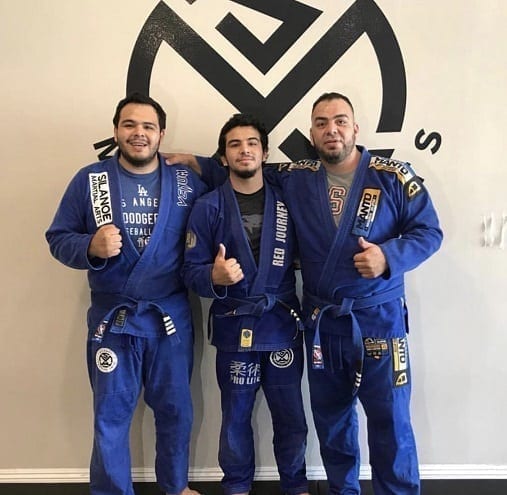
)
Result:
{"points": [[182, 159]]}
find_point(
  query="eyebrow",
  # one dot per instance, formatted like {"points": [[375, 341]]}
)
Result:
{"points": [[340, 115], [132, 121], [234, 141]]}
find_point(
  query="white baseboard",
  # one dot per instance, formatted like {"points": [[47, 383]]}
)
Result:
{"points": [[428, 472]]}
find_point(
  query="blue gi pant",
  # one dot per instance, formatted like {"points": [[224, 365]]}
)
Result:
{"points": [[119, 366], [385, 395], [240, 375]]}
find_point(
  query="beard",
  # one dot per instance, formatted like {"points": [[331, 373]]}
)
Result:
{"points": [[244, 174], [135, 161], [336, 157], [138, 162]]}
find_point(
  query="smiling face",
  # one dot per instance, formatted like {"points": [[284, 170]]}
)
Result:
{"points": [[333, 132], [243, 152], [138, 136]]}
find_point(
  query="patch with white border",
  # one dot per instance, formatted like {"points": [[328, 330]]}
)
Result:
{"points": [[282, 359], [100, 197], [106, 360], [366, 212], [400, 362]]}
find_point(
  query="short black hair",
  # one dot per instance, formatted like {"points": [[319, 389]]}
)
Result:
{"points": [[242, 120], [140, 99], [332, 96]]}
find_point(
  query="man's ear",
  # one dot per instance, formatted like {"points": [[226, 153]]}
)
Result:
{"points": [[224, 161], [311, 138]]}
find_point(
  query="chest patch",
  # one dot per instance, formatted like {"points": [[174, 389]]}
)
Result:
{"points": [[366, 212], [100, 197]]}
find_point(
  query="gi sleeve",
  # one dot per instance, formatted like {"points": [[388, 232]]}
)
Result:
{"points": [[68, 235], [213, 173], [420, 234], [201, 249]]}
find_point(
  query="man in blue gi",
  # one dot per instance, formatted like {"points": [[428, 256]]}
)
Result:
{"points": [[361, 222], [240, 252], [123, 220]]}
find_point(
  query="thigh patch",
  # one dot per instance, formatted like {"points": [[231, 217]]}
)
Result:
{"points": [[400, 362], [282, 359]]}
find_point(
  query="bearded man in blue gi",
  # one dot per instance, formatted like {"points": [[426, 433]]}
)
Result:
{"points": [[361, 222], [123, 219], [240, 251]]}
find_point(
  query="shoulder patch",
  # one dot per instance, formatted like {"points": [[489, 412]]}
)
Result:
{"points": [[412, 184], [190, 240], [311, 165]]}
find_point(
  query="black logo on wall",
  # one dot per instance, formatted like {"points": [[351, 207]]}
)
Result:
{"points": [[363, 17]]}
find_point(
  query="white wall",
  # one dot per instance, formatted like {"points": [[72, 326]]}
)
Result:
{"points": [[63, 69]]}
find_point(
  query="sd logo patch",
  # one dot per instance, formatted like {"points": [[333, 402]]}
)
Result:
{"points": [[282, 359]]}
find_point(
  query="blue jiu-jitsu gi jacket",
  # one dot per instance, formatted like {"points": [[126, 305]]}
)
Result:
{"points": [[147, 287], [259, 313], [388, 205]]}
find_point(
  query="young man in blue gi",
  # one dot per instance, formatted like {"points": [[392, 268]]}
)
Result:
{"points": [[361, 222], [240, 252], [123, 220]]}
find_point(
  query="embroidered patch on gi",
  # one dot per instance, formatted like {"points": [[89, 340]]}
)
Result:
{"points": [[282, 359], [190, 240], [400, 362], [413, 187], [366, 212], [376, 348], [99, 332], [184, 190], [282, 219], [411, 183], [317, 358], [100, 197], [246, 338], [242, 373], [106, 360], [121, 318], [311, 165]]}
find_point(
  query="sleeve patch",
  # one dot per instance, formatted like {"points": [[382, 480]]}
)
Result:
{"points": [[311, 165], [190, 240], [412, 184], [414, 187]]}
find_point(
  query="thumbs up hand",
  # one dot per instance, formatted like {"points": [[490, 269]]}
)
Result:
{"points": [[225, 271], [370, 262]]}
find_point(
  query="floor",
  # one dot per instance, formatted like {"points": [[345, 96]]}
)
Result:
{"points": [[429, 487]]}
